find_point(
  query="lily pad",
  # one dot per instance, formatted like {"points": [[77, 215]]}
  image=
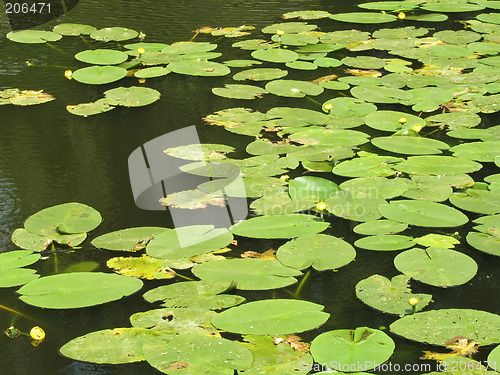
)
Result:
{"points": [[199, 68], [188, 241], [260, 74], [390, 296], [247, 274], [198, 152], [423, 213], [73, 29], [379, 187], [479, 151], [437, 165], [193, 199], [436, 327], [362, 348], [385, 242], [311, 187], [436, 266], [410, 145], [389, 120], [196, 354], [131, 96], [17, 276], [113, 346], [451, 6], [239, 91], [289, 27], [279, 226], [275, 55], [143, 267], [348, 107], [379, 227], [102, 57], [330, 137], [89, 109], [368, 166], [78, 289], [152, 72], [113, 34], [293, 89], [437, 240], [38, 242], [33, 36], [364, 17], [476, 200], [484, 242], [271, 317], [99, 75], [306, 14], [320, 251], [17, 258]]}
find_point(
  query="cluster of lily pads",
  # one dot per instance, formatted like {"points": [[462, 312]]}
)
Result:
{"points": [[399, 87]]}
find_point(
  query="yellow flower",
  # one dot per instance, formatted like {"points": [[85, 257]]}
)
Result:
{"points": [[402, 120], [141, 51], [413, 301], [321, 206], [401, 15], [285, 177], [68, 74], [328, 106], [142, 80], [416, 127], [37, 333], [280, 32]]}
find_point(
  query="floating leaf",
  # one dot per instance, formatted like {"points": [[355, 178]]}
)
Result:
{"points": [[102, 57], [385, 242], [275, 55], [37, 242], [410, 145], [196, 354], [279, 226], [17, 258], [260, 74], [33, 36], [430, 188], [330, 137], [436, 327], [379, 227], [17, 276], [390, 296], [423, 213], [199, 68], [194, 293], [131, 96], [320, 251], [379, 187], [99, 75], [437, 165], [141, 267], [479, 151], [113, 346], [239, 91], [293, 89], [437, 240], [188, 241], [289, 27], [198, 152], [476, 200], [77, 289], [451, 6], [247, 274], [192, 200], [113, 34], [271, 317], [436, 266], [89, 109], [364, 17], [307, 14], [484, 242], [73, 29], [362, 348], [367, 166], [152, 72], [131, 239], [24, 97], [311, 187], [347, 107]]}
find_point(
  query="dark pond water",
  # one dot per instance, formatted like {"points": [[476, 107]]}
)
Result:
{"points": [[48, 157]]}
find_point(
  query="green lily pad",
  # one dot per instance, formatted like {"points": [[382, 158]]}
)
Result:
{"points": [[330, 137], [362, 348], [239, 91], [260, 74], [242, 63], [89, 109], [436, 327], [194, 293], [476, 200], [301, 65], [67, 218], [199, 68], [24, 97], [479, 151], [152, 72], [184, 48], [364, 62], [143, 267], [354, 206], [484, 242], [429, 188], [275, 55], [247, 274], [311, 187], [437, 17], [494, 358], [38, 242], [294, 39], [275, 358], [320, 251], [437, 240], [379, 227], [78, 289], [99, 75], [390, 296], [410, 145], [198, 152], [367, 166], [33, 36], [131, 96], [293, 89], [451, 6], [423, 213], [271, 317], [73, 29], [148, 47], [381, 187], [196, 354], [113, 34], [385, 242], [17, 276], [279, 226], [289, 27], [378, 94], [188, 241], [364, 17], [307, 14], [17, 258], [436, 266], [348, 107], [102, 57], [193, 199], [437, 165]]}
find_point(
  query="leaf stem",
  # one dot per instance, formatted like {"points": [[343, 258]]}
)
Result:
{"points": [[302, 283]]}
